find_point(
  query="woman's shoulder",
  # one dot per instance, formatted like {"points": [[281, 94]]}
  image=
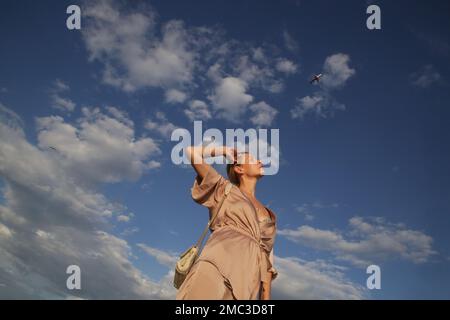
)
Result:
{"points": [[210, 188]]}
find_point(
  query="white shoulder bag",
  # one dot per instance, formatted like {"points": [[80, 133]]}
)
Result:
{"points": [[188, 258]]}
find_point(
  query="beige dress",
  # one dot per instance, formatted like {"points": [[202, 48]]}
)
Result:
{"points": [[238, 255]]}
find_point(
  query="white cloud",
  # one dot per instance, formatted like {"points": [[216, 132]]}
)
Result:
{"points": [[307, 210], [336, 71], [308, 207], [320, 104], [276, 87], [138, 51], [51, 218], [175, 96], [249, 71], [63, 104], [258, 54], [259, 72], [290, 43], [165, 258], [198, 110], [129, 231], [256, 66], [101, 147], [308, 104], [59, 102], [214, 73], [286, 66], [120, 115], [230, 99], [132, 53], [425, 77], [152, 164], [160, 125], [60, 86], [11, 119], [124, 217], [320, 205], [299, 279], [263, 114], [368, 241], [5, 232]]}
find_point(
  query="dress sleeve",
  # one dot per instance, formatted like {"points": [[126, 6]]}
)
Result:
{"points": [[209, 190]]}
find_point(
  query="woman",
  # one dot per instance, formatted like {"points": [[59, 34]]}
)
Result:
{"points": [[237, 260]]}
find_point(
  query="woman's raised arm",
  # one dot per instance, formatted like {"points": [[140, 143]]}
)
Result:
{"points": [[197, 154]]}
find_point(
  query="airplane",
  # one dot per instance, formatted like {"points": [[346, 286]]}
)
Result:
{"points": [[316, 77], [50, 147]]}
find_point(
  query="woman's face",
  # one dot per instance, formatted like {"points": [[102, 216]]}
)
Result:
{"points": [[251, 167]]}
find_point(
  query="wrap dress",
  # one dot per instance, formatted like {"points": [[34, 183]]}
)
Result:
{"points": [[238, 254]]}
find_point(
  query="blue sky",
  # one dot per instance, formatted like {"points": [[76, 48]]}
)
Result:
{"points": [[363, 176]]}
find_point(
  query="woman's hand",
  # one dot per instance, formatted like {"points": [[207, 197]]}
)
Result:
{"points": [[231, 154], [214, 151]]}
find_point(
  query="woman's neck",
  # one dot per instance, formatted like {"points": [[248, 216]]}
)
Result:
{"points": [[248, 186]]}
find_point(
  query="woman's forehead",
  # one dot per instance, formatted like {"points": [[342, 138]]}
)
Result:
{"points": [[246, 157]]}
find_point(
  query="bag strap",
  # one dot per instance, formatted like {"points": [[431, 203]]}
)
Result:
{"points": [[228, 187]]}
